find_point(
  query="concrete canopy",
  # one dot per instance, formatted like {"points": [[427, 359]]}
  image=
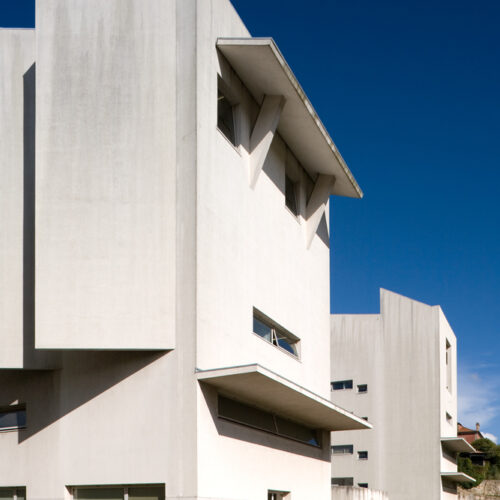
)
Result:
{"points": [[264, 71], [457, 445], [457, 477], [260, 387]]}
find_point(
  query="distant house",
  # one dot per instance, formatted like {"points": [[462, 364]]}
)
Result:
{"points": [[470, 435]]}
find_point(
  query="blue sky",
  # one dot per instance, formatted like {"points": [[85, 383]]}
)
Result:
{"points": [[409, 91]]}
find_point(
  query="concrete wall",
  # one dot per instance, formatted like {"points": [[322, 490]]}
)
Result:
{"points": [[106, 176], [17, 174], [353, 493], [402, 360]]}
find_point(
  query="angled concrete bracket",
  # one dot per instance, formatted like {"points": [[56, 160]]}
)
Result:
{"points": [[263, 134], [316, 206]]}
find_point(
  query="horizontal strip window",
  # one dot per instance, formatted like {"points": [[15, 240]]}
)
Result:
{"points": [[12, 417], [15, 493], [240, 413], [343, 449], [131, 492], [339, 385], [275, 334], [342, 481]]}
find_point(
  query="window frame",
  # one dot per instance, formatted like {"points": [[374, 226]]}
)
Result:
{"points": [[276, 331], [363, 455], [360, 390], [21, 407], [343, 382], [224, 92], [16, 491], [337, 452], [126, 487], [349, 482]]}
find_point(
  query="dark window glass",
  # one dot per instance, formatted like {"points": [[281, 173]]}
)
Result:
{"points": [[265, 421], [343, 449], [274, 334], [290, 195], [363, 485], [363, 455], [14, 418], [296, 431], [363, 388], [341, 384], [146, 493], [342, 481], [99, 494], [225, 117], [8, 493]]}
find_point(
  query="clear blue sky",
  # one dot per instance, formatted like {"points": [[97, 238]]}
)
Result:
{"points": [[410, 92]]}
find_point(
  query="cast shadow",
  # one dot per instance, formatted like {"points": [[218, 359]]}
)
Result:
{"points": [[262, 438]]}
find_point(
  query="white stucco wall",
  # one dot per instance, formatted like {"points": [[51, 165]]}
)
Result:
{"points": [[402, 358], [105, 183]]}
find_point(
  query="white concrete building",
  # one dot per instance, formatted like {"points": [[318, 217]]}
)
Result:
{"points": [[164, 260], [397, 369]]}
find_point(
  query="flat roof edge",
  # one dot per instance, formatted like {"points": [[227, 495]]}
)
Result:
{"points": [[263, 41]]}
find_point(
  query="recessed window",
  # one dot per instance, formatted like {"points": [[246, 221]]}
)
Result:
{"points": [[449, 418], [291, 195], [119, 493], [342, 449], [16, 493], [274, 333], [363, 485], [241, 413], [12, 417], [342, 481], [362, 455], [340, 385], [225, 117], [278, 495], [448, 365], [363, 388]]}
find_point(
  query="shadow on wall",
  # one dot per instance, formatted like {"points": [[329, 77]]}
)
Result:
{"points": [[262, 438], [50, 395]]}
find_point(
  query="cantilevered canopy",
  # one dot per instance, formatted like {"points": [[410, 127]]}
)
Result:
{"points": [[457, 477], [264, 71], [260, 387], [457, 445]]}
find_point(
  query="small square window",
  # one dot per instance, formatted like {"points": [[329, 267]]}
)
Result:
{"points": [[363, 485], [225, 117], [362, 455], [340, 385], [363, 388]]}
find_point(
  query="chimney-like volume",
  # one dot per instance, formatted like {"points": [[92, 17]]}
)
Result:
{"points": [[477, 426]]}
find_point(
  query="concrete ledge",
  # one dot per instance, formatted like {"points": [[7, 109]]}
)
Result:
{"points": [[457, 445], [260, 387], [457, 477]]}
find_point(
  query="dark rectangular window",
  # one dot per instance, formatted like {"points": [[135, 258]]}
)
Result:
{"points": [[12, 417], [341, 384], [291, 195], [225, 117], [363, 388], [17, 493], [342, 481], [136, 492], [362, 455], [274, 333], [241, 413], [343, 449], [363, 485]]}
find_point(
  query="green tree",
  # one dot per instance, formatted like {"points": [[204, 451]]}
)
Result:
{"points": [[491, 467]]}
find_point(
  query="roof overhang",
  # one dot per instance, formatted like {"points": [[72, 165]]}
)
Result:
{"points": [[457, 445], [457, 477], [262, 68], [260, 387]]}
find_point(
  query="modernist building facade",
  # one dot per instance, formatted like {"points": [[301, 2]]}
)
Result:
{"points": [[164, 284], [397, 369]]}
